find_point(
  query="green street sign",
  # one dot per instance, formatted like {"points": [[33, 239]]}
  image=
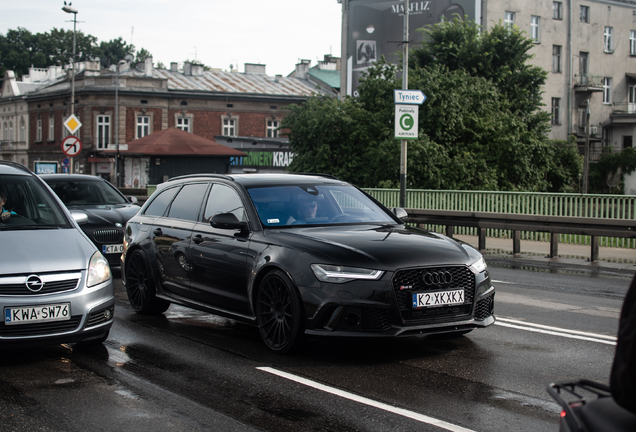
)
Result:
{"points": [[406, 119]]}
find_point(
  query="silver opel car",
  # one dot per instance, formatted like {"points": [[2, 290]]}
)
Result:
{"points": [[55, 286]]}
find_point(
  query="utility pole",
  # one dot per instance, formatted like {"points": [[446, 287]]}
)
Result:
{"points": [[69, 9], [405, 86]]}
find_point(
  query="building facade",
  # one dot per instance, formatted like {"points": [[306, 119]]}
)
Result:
{"points": [[116, 107], [588, 48]]}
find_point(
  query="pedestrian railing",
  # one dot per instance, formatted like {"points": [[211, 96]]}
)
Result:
{"points": [[528, 203]]}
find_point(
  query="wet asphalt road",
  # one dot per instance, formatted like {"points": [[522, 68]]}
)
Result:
{"points": [[190, 371]]}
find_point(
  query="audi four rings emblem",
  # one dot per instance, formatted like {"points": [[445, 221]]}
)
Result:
{"points": [[440, 278], [34, 283]]}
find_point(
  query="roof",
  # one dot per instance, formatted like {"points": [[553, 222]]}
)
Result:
{"points": [[175, 142], [234, 82], [329, 77]]}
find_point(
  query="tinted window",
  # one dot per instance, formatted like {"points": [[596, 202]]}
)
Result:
{"points": [[321, 204], [160, 203], [188, 202], [86, 192], [224, 199], [28, 203]]}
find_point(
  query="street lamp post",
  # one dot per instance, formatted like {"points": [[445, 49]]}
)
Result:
{"points": [[69, 9], [405, 86], [117, 121]]}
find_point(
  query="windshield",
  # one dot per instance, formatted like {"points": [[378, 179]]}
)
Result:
{"points": [[86, 192], [315, 205], [27, 204]]}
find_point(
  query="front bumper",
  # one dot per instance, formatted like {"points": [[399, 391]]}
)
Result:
{"points": [[384, 308], [91, 316]]}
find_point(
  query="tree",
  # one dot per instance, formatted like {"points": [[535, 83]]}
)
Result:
{"points": [[113, 51], [21, 49]]}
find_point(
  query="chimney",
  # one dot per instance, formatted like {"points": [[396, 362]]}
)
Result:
{"points": [[187, 68], [302, 68], [277, 78], [197, 70], [148, 67], [255, 68], [174, 67]]}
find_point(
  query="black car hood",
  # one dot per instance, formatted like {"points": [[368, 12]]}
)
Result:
{"points": [[379, 247], [107, 214]]}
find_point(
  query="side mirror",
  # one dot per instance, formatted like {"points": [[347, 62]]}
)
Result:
{"points": [[399, 212], [80, 217], [133, 199], [227, 221]]}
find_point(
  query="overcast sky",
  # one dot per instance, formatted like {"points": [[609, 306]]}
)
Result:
{"points": [[218, 33]]}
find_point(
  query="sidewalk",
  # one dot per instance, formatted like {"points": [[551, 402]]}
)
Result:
{"points": [[574, 257]]}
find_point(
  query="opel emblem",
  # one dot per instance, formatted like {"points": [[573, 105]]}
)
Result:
{"points": [[34, 283], [437, 278]]}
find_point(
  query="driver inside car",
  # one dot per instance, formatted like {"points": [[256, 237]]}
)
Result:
{"points": [[5, 214], [306, 207]]}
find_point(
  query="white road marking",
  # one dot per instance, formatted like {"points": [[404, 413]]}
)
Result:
{"points": [[360, 399], [556, 331]]}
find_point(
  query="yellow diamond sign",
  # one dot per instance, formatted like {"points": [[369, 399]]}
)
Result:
{"points": [[72, 123]]}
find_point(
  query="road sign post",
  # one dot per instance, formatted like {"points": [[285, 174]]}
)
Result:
{"points": [[406, 121]]}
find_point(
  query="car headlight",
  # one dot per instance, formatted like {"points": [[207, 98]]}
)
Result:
{"points": [[340, 274], [98, 270], [479, 266]]}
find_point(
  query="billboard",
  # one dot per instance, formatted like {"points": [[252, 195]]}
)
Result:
{"points": [[375, 28]]}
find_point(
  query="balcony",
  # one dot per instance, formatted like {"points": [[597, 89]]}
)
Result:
{"points": [[588, 83], [596, 131], [624, 108]]}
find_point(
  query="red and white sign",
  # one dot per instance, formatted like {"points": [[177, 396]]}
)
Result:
{"points": [[71, 146]]}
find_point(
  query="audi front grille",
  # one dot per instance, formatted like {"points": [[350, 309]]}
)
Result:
{"points": [[434, 279]]}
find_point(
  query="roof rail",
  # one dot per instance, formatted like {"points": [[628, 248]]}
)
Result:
{"points": [[329, 176], [17, 165], [212, 175]]}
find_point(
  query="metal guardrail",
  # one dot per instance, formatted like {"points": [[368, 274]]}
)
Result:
{"points": [[516, 223], [527, 203]]}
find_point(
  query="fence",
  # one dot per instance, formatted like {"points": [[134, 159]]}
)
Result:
{"points": [[531, 203]]}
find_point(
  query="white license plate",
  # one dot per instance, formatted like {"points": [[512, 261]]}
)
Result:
{"points": [[109, 249], [32, 314], [438, 298]]}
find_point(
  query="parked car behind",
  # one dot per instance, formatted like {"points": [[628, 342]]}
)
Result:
{"points": [[107, 209], [300, 254], [55, 286]]}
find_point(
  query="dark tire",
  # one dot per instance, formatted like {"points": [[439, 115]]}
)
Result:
{"points": [[279, 313], [141, 288]]}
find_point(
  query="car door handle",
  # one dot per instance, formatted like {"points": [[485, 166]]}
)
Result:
{"points": [[197, 239], [157, 232]]}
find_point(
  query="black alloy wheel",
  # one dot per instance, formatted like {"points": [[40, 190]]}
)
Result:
{"points": [[279, 313], [140, 286]]}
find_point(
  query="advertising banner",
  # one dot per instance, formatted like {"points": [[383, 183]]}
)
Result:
{"points": [[375, 28]]}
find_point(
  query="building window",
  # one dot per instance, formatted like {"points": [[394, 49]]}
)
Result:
{"points": [[143, 126], [631, 99], [6, 132], [556, 58], [230, 127], [585, 14], [509, 19], [103, 132], [10, 131], [583, 67], [556, 111], [632, 42], [608, 45], [607, 90], [183, 124], [535, 27], [51, 129], [557, 10], [38, 130], [22, 131], [272, 128]]}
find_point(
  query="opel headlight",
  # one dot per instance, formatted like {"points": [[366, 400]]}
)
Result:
{"points": [[98, 270], [340, 274]]}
